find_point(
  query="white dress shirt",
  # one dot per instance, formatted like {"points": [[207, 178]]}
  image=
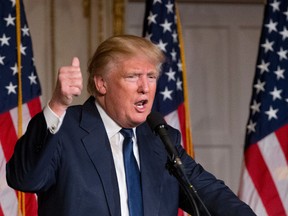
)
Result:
{"points": [[116, 141]]}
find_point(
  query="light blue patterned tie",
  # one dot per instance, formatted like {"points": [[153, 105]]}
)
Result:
{"points": [[132, 172]]}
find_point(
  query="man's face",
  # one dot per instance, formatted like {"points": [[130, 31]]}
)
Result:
{"points": [[130, 91]]}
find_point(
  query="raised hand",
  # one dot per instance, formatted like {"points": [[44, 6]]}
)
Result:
{"points": [[69, 84]]}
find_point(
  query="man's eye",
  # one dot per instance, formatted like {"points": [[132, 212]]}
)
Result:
{"points": [[153, 77], [132, 77]]}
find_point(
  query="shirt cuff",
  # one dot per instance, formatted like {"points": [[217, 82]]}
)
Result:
{"points": [[53, 121]]}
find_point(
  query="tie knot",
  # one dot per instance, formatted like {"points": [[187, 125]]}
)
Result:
{"points": [[127, 132]]}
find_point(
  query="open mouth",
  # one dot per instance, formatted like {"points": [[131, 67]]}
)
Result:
{"points": [[141, 104]]}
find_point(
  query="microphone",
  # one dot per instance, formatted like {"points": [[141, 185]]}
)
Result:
{"points": [[159, 126]]}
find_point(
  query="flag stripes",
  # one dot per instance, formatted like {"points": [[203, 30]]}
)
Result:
{"points": [[266, 141], [262, 161], [9, 204], [281, 135], [8, 134], [276, 163], [8, 197], [250, 195]]}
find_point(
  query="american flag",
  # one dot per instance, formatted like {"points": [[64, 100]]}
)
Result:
{"points": [[264, 183], [162, 26], [13, 122]]}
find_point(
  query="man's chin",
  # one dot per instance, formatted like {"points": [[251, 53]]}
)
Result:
{"points": [[140, 119]]}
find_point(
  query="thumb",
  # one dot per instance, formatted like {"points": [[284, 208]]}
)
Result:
{"points": [[75, 62]]}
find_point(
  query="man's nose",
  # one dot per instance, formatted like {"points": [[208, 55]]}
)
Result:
{"points": [[143, 85]]}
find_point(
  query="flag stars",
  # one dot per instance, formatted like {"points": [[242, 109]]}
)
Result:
{"points": [[255, 107], [166, 94], [13, 2], [284, 33], [11, 88], [175, 36], [169, 7], [10, 20], [259, 86], [271, 26], [14, 69], [263, 66], [286, 14], [179, 84], [32, 79], [251, 126], [4, 40], [174, 55], [159, 1], [22, 49], [2, 59], [171, 75], [282, 54], [175, 18], [164, 29], [275, 5], [148, 36], [12, 48], [166, 26], [276, 94], [25, 31], [151, 18], [272, 113], [279, 73], [268, 46], [162, 45], [179, 65]]}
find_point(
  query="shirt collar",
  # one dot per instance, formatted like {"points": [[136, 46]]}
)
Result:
{"points": [[110, 125]]}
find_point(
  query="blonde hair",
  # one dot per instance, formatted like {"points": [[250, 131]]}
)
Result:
{"points": [[109, 52]]}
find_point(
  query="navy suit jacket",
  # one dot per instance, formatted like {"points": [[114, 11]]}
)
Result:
{"points": [[73, 171]]}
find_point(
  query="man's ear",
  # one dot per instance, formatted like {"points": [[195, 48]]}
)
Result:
{"points": [[100, 84]]}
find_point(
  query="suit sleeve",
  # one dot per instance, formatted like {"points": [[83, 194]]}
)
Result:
{"points": [[216, 196], [34, 162]]}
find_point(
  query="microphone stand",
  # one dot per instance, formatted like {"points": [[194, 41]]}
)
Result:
{"points": [[174, 164], [175, 167]]}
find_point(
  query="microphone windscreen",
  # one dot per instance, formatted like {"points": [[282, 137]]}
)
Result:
{"points": [[155, 119]]}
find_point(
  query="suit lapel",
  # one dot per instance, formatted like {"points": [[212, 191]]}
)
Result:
{"points": [[98, 148], [152, 160]]}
